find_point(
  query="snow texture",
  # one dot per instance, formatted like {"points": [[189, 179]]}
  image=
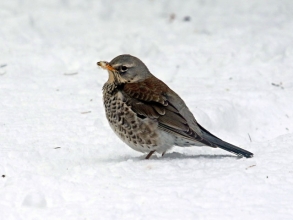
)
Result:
{"points": [[231, 61]]}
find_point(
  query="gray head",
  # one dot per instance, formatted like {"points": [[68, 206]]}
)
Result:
{"points": [[125, 69]]}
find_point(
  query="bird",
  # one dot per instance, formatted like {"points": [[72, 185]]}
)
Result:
{"points": [[149, 116]]}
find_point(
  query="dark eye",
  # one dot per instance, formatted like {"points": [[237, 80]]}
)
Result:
{"points": [[123, 68]]}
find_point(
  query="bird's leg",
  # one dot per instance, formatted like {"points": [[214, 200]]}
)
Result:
{"points": [[150, 154], [163, 153]]}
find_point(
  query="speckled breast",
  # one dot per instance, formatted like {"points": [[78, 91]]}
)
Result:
{"points": [[139, 133]]}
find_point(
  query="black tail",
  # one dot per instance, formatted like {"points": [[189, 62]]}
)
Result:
{"points": [[231, 148], [217, 142]]}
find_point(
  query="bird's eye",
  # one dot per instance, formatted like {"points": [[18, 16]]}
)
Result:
{"points": [[123, 68]]}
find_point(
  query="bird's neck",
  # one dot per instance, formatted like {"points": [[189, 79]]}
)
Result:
{"points": [[112, 87]]}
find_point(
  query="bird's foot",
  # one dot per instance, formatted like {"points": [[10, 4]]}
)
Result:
{"points": [[150, 154]]}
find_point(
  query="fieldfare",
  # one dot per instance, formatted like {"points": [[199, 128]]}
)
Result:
{"points": [[147, 115]]}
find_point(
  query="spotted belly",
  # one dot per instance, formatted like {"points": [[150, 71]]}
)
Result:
{"points": [[141, 134]]}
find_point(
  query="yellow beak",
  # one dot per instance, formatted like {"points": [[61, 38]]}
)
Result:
{"points": [[105, 65]]}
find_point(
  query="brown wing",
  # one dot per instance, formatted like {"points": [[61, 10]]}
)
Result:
{"points": [[150, 99]]}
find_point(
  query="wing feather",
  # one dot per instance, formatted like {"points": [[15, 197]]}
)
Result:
{"points": [[149, 99]]}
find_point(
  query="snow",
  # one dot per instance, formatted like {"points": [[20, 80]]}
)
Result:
{"points": [[231, 63]]}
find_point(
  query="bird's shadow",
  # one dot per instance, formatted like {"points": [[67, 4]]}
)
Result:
{"points": [[173, 156], [176, 156]]}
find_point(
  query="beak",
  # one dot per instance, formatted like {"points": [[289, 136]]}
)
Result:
{"points": [[105, 65]]}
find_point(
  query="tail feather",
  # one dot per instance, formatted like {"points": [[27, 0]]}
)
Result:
{"points": [[217, 142], [233, 149]]}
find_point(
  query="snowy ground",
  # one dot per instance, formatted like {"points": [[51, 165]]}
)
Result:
{"points": [[231, 61]]}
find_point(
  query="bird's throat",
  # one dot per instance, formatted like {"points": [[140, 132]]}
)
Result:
{"points": [[111, 78]]}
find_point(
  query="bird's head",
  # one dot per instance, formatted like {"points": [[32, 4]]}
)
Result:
{"points": [[125, 69]]}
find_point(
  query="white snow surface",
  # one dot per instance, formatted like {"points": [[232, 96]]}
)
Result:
{"points": [[232, 63]]}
